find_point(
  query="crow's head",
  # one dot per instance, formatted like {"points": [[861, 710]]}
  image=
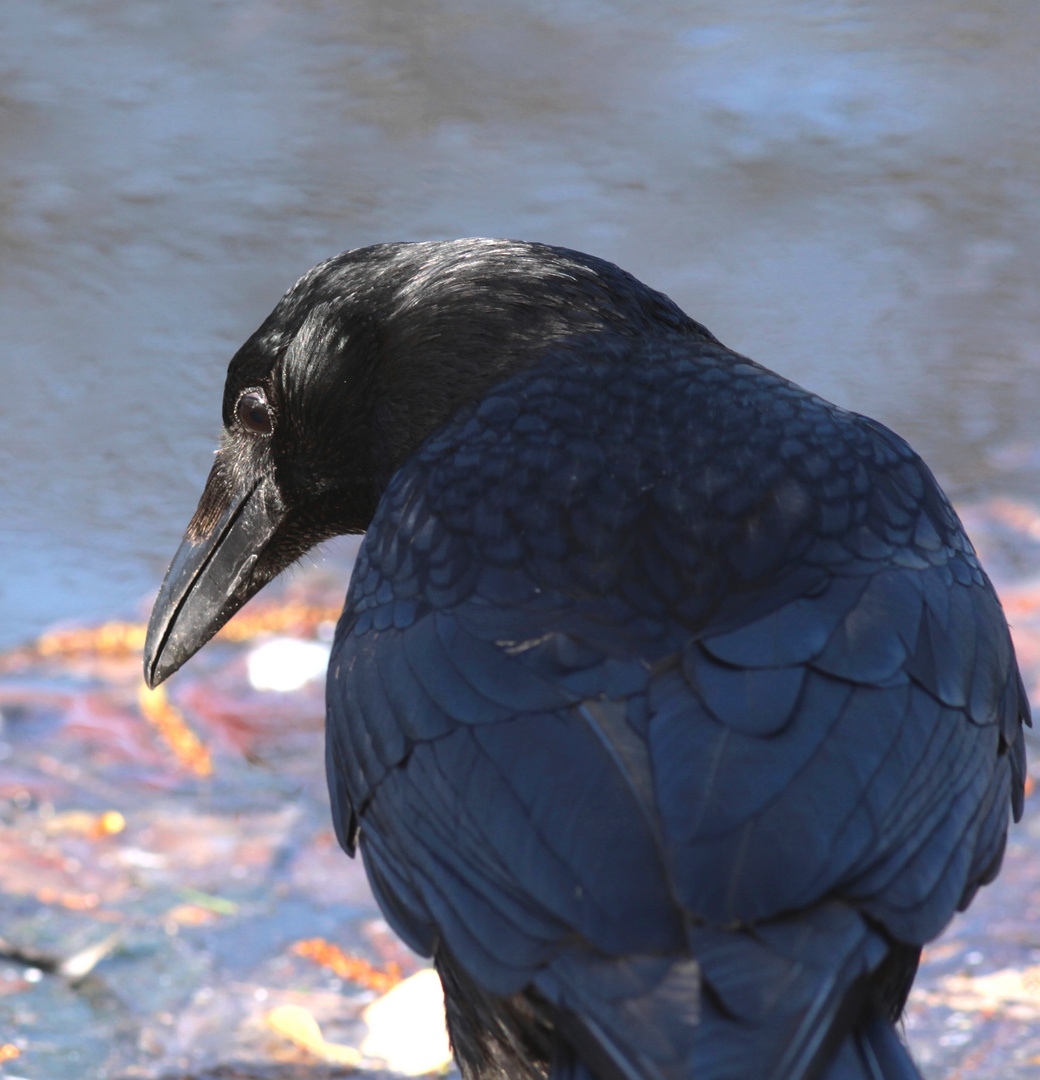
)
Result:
{"points": [[364, 357]]}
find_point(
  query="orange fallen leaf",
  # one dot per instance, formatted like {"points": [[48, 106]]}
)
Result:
{"points": [[349, 967], [95, 826], [110, 639], [124, 639], [72, 901], [297, 1024], [300, 620], [191, 915], [185, 744]]}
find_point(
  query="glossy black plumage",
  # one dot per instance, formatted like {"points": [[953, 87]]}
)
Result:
{"points": [[670, 706]]}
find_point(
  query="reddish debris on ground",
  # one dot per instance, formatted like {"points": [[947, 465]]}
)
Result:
{"points": [[353, 968]]}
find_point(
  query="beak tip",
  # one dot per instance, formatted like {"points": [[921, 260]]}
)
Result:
{"points": [[163, 654], [153, 652], [155, 671], [150, 676]]}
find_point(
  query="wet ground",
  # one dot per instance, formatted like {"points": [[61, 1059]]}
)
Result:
{"points": [[173, 903], [848, 190], [169, 881]]}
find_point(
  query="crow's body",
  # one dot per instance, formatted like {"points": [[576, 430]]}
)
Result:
{"points": [[670, 706]]}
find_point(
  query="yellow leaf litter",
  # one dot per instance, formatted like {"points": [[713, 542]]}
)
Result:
{"points": [[296, 1023], [157, 710], [406, 1029]]}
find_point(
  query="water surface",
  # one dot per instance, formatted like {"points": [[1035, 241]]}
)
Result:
{"points": [[847, 191]]}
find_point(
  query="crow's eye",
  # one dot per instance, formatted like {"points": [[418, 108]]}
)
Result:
{"points": [[254, 414]]}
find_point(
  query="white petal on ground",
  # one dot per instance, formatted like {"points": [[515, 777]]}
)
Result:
{"points": [[286, 663], [406, 1026]]}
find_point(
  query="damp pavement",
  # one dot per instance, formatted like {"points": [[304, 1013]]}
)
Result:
{"points": [[174, 906]]}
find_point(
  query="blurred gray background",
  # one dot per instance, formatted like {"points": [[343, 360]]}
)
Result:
{"points": [[847, 191]]}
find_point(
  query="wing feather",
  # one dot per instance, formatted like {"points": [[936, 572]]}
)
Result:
{"points": [[596, 709]]}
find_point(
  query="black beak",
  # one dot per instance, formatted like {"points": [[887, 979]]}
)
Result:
{"points": [[210, 578]]}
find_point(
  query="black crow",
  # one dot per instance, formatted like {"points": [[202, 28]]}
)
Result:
{"points": [[670, 706]]}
